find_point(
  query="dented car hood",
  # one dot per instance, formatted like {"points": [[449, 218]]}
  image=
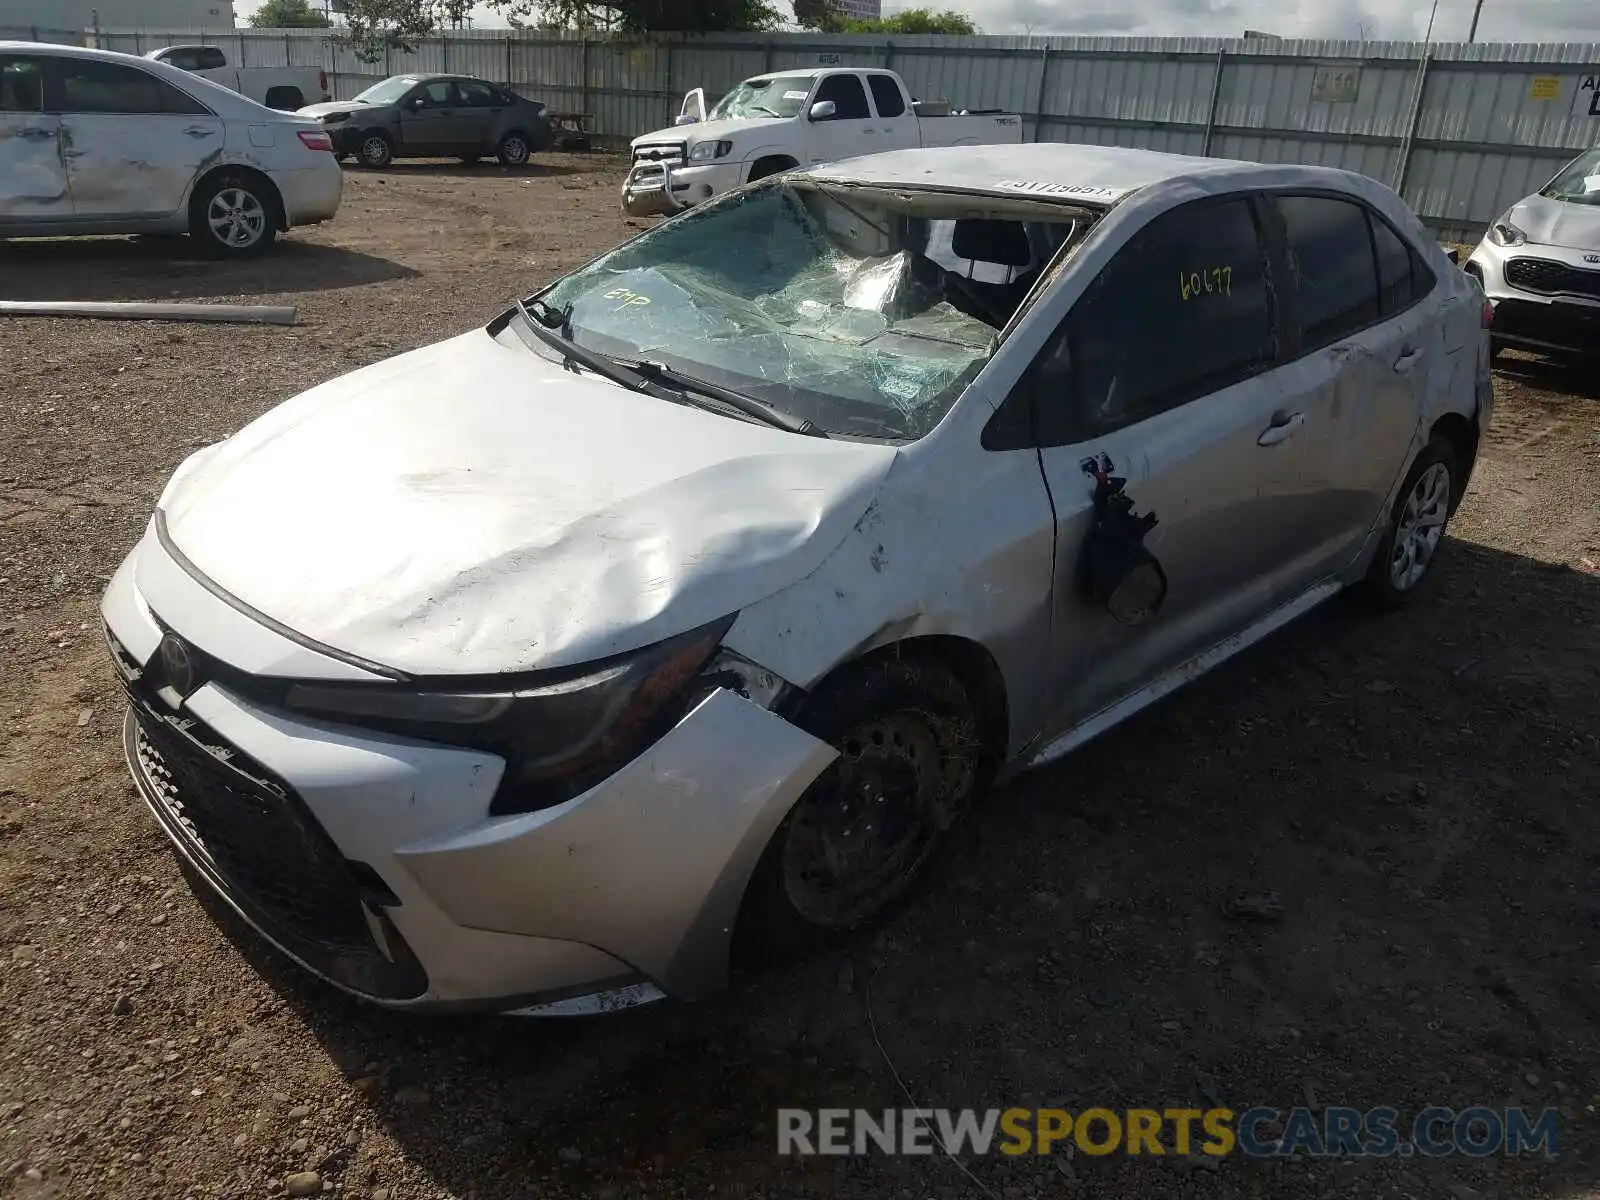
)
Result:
{"points": [[473, 508], [1558, 223]]}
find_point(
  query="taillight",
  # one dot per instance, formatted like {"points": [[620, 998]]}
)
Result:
{"points": [[315, 139], [1487, 318]]}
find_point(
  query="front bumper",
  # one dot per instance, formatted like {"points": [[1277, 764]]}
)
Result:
{"points": [[1538, 313], [371, 861], [654, 189]]}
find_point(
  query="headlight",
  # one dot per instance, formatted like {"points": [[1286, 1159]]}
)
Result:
{"points": [[706, 151], [558, 738], [1504, 233]]}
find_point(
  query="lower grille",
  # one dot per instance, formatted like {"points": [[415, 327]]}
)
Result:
{"points": [[252, 835], [1552, 278], [1572, 326]]}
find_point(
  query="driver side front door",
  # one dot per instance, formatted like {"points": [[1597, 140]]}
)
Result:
{"points": [[427, 118]]}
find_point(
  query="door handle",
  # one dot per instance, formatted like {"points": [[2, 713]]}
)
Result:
{"points": [[34, 134], [1282, 428], [1410, 356], [199, 131]]}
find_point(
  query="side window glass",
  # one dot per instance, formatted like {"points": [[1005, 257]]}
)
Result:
{"points": [[886, 96], [1181, 311], [21, 85], [90, 86], [437, 94], [1331, 273], [1396, 287], [209, 58], [184, 60], [478, 95], [848, 96]]}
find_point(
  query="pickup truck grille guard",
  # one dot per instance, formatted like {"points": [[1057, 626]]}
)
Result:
{"points": [[647, 191]]}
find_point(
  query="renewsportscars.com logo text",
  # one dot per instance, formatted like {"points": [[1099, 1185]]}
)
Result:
{"points": [[1257, 1132]]}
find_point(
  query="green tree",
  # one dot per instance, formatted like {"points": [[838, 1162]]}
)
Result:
{"points": [[826, 16], [289, 14]]}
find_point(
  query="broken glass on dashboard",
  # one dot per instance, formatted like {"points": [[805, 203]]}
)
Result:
{"points": [[862, 310]]}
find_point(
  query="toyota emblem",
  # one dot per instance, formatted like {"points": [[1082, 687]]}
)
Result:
{"points": [[178, 665]]}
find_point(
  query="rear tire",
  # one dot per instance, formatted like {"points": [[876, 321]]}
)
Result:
{"points": [[285, 99], [514, 150], [1417, 523], [234, 215], [855, 842]]}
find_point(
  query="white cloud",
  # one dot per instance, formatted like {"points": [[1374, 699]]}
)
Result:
{"points": [[1503, 20]]}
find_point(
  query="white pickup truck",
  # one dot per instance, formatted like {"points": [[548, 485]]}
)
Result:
{"points": [[285, 88], [789, 119]]}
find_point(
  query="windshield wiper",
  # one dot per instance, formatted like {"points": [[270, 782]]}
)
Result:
{"points": [[551, 317], [547, 324], [765, 109], [769, 414]]}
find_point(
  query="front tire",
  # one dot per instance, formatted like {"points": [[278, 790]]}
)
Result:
{"points": [[376, 150], [909, 761], [514, 150], [1427, 499], [234, 216]]}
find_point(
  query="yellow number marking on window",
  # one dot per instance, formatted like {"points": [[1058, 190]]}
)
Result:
{"points": [[1208, 281]]}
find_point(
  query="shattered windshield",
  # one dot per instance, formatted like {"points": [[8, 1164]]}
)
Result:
{"points": [[769, 96], [1579, 183], [388, 91], [864, 310]]}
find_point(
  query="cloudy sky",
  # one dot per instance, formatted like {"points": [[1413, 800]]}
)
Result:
{"points": [[1503, 20]]}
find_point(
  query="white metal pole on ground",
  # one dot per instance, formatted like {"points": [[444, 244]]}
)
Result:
{"points": [[108, 310]]}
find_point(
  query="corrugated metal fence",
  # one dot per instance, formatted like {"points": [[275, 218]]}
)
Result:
{"points": [[1460, 130]]}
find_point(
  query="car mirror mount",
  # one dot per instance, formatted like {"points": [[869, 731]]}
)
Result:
{"points": [[1116, 569]]}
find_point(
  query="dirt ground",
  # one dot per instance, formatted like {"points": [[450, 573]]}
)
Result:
{"points": [[1420, 791]]}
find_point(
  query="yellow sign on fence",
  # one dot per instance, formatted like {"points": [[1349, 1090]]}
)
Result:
{"points": [[1544, 87]]}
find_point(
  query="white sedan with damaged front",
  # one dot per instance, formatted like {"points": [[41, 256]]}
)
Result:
{"points": [[674, 616]]}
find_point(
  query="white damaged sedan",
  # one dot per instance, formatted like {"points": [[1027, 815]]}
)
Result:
{"points": [[677, 613]]}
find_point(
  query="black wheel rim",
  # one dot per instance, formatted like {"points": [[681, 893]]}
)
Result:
{"points": [[864, 830], [515, 150], [375, 152]]}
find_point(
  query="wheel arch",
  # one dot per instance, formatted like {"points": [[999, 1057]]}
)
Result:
{"points": [[975, 669], [773, 160], [280, 209], [1462, 434]]}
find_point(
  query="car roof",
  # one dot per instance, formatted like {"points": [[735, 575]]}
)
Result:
{"points": [[1068, 172], [60, 48], [223, 101]]}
